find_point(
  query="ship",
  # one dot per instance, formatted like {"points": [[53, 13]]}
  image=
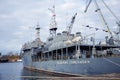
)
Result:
{"points": [[71, 54]]}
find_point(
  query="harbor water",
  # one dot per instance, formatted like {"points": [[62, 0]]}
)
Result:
{"points": [[15, 71]]}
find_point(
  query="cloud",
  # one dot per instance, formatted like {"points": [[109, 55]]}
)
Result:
{"points": [[68, 6]]}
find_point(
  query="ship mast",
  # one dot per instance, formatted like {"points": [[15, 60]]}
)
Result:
{"points": [[53, 24], [37, 31]]}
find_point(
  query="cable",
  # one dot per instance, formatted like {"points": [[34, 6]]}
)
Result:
{"points": [[110, 10]]}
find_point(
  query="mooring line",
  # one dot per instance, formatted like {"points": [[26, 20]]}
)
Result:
{"points": [[112, 62]]}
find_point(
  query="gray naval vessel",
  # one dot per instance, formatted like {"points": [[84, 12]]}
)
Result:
{"points": [[71, 54]]}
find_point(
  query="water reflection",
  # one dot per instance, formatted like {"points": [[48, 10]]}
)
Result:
{"points": [[15, 71], [33, 75]]}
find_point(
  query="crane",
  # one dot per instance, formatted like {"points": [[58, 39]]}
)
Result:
{"points": [[69, 27], [87, 6], [99, 10]]}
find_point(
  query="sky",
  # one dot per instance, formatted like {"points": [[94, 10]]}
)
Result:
{"points": [[19, 17]]}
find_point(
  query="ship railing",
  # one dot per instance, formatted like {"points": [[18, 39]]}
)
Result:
{"points": [[64, 53]]}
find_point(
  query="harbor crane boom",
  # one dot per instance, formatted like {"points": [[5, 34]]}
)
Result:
{"points": [[69, 27], [99, 11], [87, 6]]}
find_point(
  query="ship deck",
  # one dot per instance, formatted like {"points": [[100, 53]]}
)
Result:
{"points": [[98, 47], [87, 47]]}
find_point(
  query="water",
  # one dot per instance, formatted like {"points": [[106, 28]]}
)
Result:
{"points": [[15, 71]]}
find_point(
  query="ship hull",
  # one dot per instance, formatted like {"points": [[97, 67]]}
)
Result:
{"points": [[86, 66]]}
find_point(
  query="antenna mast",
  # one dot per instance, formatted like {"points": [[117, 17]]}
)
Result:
{"points": [[53, 24], [37, 31]]}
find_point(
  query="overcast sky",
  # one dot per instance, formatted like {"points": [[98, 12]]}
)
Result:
{"points": [[17, 17]]}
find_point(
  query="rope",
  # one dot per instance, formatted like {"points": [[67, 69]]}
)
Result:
{"points": [[112, 62]]}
